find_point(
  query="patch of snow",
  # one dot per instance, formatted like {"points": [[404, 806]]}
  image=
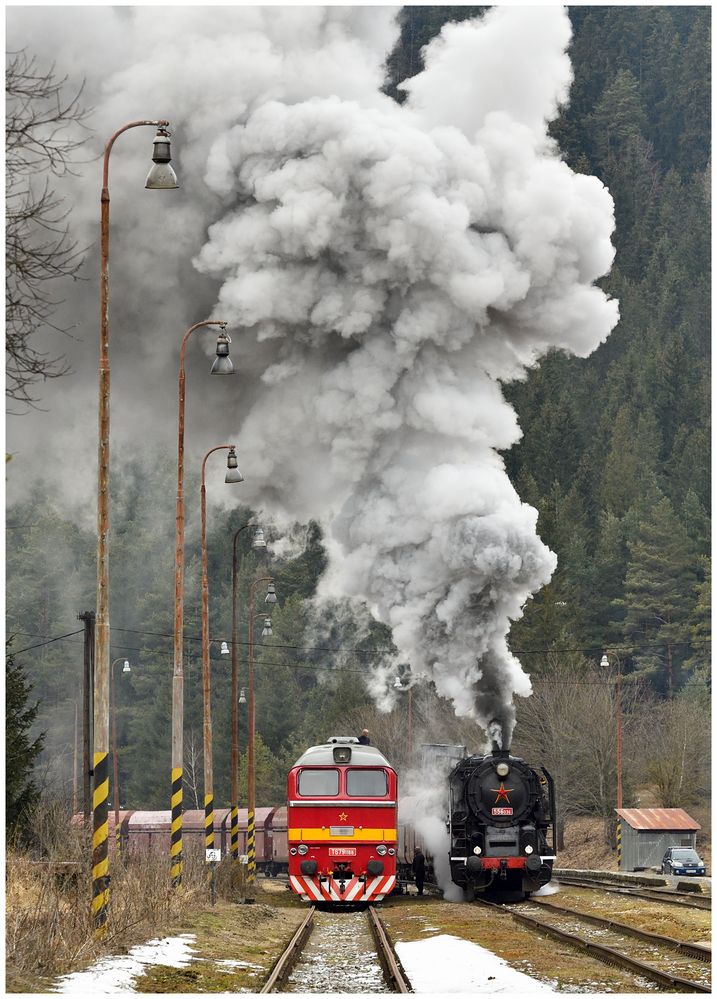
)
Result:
{"points": [[227, 962], [116, 974], [446, 964]]}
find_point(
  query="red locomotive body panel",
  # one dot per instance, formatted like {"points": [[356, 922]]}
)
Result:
{"points": [[342, 823]]}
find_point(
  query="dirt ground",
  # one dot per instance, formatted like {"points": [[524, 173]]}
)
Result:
{"points": [[236, 945]]}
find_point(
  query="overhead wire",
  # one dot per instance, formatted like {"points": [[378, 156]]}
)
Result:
{"points": [[297, 664]]}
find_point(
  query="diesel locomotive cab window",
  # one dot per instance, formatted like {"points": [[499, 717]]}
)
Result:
{"points": [[366, 783], [318, 782]]}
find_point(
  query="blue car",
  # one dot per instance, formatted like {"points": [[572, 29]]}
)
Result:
{"points": [[683, 860]]}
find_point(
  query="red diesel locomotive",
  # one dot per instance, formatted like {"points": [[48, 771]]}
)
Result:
{"points": [[342, 823]]}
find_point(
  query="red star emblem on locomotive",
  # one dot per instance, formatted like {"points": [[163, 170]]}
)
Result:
{"points": [[502, 793], [343, 816]]}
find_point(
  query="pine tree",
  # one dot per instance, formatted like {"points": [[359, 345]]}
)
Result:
{"points": [[660, 578], [21, 792]]}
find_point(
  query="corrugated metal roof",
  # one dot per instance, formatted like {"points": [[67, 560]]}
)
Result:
{"points": [[658, 818]]}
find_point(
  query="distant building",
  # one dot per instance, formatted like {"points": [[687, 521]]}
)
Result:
{"points": [[648, 832]]}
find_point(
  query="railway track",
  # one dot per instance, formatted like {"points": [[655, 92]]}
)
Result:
{"points": [[686, 899], [338, 959], [685, 956]]}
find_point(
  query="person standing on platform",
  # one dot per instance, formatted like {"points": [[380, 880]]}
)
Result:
{"points": [[419, 869]]}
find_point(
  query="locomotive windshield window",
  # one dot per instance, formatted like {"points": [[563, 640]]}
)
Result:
{"points": [[321, 782], [366, 783]]}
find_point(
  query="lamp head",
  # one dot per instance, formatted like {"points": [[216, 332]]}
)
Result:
{"points": [[258, 541], [270, 597], [242, 698], [161, 176], [233, 473], [266, 631], [604, 662], [223, 362], [224, 650], [397, 683], [126, 668]]}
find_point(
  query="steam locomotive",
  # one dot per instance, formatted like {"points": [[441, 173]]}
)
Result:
{"points": [[501, 825]]}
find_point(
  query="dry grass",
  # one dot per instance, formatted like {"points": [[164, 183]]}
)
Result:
{"points": [[585, 846], [48, 925]]}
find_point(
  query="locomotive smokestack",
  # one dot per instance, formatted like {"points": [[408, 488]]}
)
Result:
{"points": [[495, 731]]}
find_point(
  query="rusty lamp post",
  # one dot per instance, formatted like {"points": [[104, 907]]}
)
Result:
{"points": [[258, 542], [233, 475], [126, 668], [251, 774], [161, 177], [222, 366], [605, 663]]}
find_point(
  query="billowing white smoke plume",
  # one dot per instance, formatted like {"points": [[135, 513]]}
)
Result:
{"points": [[383, 267], [398, 261]]}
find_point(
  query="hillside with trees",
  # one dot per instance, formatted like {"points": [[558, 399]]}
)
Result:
{"points": [[615, 456]]}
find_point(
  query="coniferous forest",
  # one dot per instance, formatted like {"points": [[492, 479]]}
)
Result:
{"points": [[615, 456]]}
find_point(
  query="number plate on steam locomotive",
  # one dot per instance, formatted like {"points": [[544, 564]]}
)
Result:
{"points": [[501, 811], [342, 851], [341, 830]]}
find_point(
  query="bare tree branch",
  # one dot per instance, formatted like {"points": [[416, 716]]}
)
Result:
{"points": [[43, 131]]}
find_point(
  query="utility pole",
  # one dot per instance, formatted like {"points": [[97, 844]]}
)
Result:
{"points": [[88, 684], [74, 768]]}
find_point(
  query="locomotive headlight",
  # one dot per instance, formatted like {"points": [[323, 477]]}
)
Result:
{"points": [[391, 852], [381, 850], [303, 849], [477, 850], [502, 769], [529, 849], [293, 851]]}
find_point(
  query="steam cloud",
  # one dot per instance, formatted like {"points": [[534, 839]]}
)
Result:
{"points": [[385, 266]]}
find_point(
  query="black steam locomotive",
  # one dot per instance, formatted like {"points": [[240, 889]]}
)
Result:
{"points": [[501, 818]]}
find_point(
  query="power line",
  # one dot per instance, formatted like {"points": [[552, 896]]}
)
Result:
{"points": [[348, 669], [40, 645], [343, 649]]}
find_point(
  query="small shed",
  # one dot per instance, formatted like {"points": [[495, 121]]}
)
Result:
{"points": [[647, 833]]}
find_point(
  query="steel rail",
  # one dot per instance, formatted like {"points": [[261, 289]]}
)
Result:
{"points": [[285, 964], [602, 953], [688, 949], [652, 894], [395, 975]]}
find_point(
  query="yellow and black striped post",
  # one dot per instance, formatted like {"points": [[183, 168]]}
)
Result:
{"points": [[619, 845], [100, 837], [175, 849], [235, 833], [209, 821], [250, 848]]}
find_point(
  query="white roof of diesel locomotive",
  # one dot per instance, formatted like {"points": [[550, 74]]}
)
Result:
{"points": [[362, 756]]}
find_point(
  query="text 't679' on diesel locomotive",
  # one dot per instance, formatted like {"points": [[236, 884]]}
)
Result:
{"points": [[501, 815], [342, 810]]}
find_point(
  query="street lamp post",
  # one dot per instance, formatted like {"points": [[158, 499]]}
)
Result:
{"points": [[161, 176], [257, 542], [233, 475], [115, 762], [251, 790], [605, 663], [222, 366]]}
